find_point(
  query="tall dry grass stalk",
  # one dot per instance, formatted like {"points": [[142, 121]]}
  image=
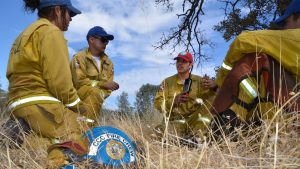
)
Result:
{"points": [[274, 144]]}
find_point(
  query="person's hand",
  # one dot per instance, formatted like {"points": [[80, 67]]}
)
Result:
{"points": [[110, 86], [181, 98], [208, 82]]}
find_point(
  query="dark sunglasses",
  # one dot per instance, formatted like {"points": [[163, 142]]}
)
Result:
{"points": [[103, 40]]}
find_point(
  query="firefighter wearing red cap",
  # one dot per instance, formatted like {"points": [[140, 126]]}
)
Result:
{"points": [[185, 110]]}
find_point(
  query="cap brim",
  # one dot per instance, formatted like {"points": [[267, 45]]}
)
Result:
{"points": [[281, 19], [109, 37], [181, 57], [73, 11]]}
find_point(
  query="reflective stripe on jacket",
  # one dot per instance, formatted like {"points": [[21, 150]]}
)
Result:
{"points": [[21, 102], [85, 71], [39, 66], [282, 45]]}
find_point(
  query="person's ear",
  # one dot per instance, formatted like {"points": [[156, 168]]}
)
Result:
{"points": [[91, 39], [57, 11]]}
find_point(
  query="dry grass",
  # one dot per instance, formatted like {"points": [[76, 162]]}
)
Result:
{"points": [[274, 144]]}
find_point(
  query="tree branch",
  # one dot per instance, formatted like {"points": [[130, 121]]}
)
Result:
{"points": [[187, 34]]}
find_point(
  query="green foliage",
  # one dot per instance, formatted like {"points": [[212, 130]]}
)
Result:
{"points": [[144, 101], [239, 15], [243, 15], [123, 104]]}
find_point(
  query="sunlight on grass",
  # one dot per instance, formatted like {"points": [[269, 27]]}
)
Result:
{"points": [[273, 144]]}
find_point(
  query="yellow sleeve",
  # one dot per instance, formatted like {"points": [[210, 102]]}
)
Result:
{"points": [[112, 71], [279, 44], [220, 77], [109, 73], [243, 44], [163, 101], [159, 101], [55, 60]]}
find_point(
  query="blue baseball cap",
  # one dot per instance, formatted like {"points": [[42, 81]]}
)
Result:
{"points": [[294, 7], [67, 3], [100, 32]]}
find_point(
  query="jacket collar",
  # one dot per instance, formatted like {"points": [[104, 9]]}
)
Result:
{"points": [[45, 21], [178, 81], [103, 56]]}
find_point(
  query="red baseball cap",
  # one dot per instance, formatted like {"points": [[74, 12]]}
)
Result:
{"points": [[187, 56]]}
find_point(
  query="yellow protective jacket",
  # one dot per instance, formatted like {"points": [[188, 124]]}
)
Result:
{"points": [[282, 45], [199, 97], [38, 68], [85, 71]]}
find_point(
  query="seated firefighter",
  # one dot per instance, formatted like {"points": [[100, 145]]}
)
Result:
{"points": [[261, 71], [185, 100], [41, 91], [93, 71]]}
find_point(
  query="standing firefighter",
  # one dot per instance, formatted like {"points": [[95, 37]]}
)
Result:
{"points": [[261, 70], [185, 99], [93, 71], [40, 83]]}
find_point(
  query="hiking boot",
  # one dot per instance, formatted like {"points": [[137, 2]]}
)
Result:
{"points": [[224, 124], [14, 131]]}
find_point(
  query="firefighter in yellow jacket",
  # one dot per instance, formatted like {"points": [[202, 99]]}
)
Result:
{"points": [[245, 64], [93, 71], [40, 83], [187, 111]]}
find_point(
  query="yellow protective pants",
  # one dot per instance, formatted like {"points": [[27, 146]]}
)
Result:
{"points": [[193, 125], [248, 88], [93, 98], [57, 123]]}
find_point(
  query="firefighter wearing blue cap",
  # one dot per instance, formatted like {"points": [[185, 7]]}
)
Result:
{"points": [[246, 70], [93, 71], [40, 82]]}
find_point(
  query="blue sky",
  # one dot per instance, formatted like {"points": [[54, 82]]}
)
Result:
{"points": [[136, 24]]}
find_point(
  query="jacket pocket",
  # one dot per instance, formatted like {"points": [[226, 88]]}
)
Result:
{"points": [[91, 71], [54, 112]]}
